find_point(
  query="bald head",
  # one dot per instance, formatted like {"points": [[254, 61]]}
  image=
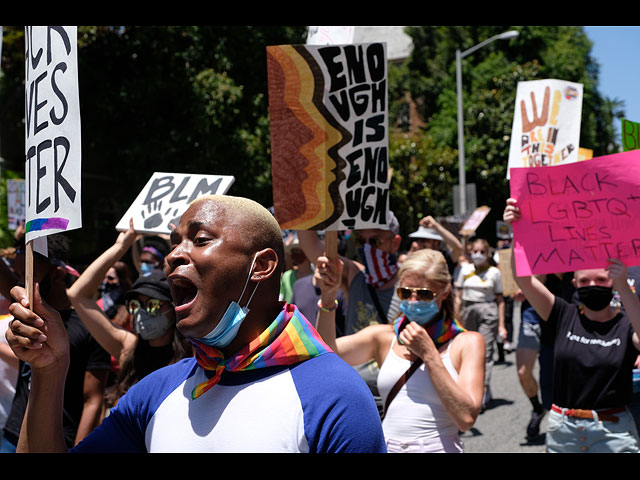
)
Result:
{"points": [[258, 226]]}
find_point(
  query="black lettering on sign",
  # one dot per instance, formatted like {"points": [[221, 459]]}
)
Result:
{"points": [[41, 172], [63, 36], [370, 202], [46, 105], [204, 188], [159, 188], [59, 179], [588, 182], [335, 69], [65, 106]]}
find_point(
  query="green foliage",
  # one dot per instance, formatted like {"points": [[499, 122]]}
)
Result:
{"points": [[422, 177], [490, 77], [190, 99], [195, 99]]}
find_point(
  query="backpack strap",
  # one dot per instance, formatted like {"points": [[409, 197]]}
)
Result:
{"points": [[401, 381]]}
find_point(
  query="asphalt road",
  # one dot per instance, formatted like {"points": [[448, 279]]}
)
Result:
{"points": [[501, 428]]}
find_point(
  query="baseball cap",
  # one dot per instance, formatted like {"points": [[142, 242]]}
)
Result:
{"points": [[153, 285], [392, 223], [426, 232]]}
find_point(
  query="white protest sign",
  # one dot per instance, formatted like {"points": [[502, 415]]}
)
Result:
{"points": [[52, 131], [475, 219], [165, 198], [546, 124], [328, 113], [15, 203], [330, 35]]}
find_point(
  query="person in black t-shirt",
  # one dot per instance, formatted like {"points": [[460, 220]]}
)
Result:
{"points": [[153, 341], [595, 348]]}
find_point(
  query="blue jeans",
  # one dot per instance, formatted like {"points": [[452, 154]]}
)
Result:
{"points": [[577, 435]]}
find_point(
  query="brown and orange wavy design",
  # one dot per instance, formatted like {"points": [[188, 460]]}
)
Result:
{"points": [[305, 138]]}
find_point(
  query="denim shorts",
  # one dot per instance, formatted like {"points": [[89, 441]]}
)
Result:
{"points": [[529, 336], [577, 435]]}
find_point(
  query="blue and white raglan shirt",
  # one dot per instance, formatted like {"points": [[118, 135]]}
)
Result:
{"points": [[320, 405]]}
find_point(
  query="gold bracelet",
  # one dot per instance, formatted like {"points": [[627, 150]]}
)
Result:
{"points": [[330, 309]]}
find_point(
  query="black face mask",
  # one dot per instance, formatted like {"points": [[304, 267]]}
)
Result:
{"points": [[594, 297]]}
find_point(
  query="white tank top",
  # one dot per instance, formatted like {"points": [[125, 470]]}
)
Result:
{"points": [[416, 411]]}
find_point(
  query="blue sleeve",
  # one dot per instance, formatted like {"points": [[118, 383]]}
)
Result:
{"points": [[124, 429], [340, 414]]}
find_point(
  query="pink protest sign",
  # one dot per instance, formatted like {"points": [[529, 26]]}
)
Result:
{"points": [[578, 215]]}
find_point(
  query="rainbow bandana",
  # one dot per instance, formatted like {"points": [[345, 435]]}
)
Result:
{"points": [[440, 331], [289, 339]]}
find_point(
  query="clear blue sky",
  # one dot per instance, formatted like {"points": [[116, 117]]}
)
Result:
{"points": [[617, 50]]}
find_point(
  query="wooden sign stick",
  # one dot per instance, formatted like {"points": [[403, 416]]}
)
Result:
{"points": [[331, 244], [28, 272]]}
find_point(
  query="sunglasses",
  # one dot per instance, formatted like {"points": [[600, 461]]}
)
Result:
{"points": [[152, 306], [424, 294]]}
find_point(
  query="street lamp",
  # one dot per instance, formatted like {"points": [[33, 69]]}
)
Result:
{"points": [[459, 57]]}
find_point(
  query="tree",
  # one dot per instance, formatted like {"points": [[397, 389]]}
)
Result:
{"points": [[188, 99], [194, 99], [490, 78]]}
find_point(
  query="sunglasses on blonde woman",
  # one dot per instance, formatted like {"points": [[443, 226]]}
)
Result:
{"points": [[424, 294]]}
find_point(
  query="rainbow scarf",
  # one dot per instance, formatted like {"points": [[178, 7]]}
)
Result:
{"points": [[440, 331], [289, 339]]}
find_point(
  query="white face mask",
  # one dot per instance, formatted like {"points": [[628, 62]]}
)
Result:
{"points": [[478, 258]]}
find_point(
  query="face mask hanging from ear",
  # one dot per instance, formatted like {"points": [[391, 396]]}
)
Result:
{"points": [[227, 328]]}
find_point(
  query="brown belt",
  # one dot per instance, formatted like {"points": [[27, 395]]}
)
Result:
{"points": [[607, 415]]}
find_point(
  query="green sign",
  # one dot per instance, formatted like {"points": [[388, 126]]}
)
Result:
{"points": [[630, 135]]}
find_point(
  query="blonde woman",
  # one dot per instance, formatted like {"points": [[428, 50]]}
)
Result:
{"points": [[443, 395]]}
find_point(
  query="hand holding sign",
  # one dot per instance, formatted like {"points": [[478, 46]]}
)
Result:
{"points": [[52, 138]]}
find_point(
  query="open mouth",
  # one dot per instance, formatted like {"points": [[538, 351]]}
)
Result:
{"points": [[184, 293]]}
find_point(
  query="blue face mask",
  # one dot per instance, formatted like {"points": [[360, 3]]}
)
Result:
{"points": [[146, 268], [227, 328], [420, 312]]}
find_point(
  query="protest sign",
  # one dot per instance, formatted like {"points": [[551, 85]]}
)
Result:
{"points": [[330, 35], [578, 215], [165, 198], [546, 124], [584, 154], [329, 136], [630, 135], [475, 219], [509, 285], [52, 131], [15, 203]]}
